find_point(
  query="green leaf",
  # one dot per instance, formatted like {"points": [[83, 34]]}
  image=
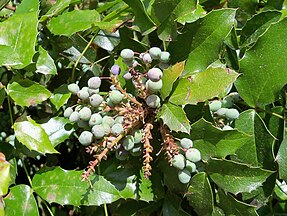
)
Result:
{"points": [[107, 41], [4, 175], [66, 188], [60, 96], [200, 195], [258, 151], [281, 158], [280, 190], [21, 201], [213, 82], [45, 64], [199, 12], [170, 75], [261, 78], [174, 117], [257, 25], [18, 35], [214, 142], [202, 40], [2, 95], [142, 19], [33, 136], [231, 206], [26, 92], [56, 129], [2, 212], [171, 206], [236, 177]]}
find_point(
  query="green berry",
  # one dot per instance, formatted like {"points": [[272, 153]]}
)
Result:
{"points": [[184, 176], [108, 120], [93, 91], [155, 52], [98, 131], [154, 74], [96, 100], [73, 88], [232, 114], [96, 119], [85, 113], [129, 142], [178, 161], [153, 87], [138, 136], [117, 129], [226, 127], [146, 58], [68, 112], [153, 101], [107, 128], [221, 112], [227, 102], [186, 143], [83, 94], [116, 96], [190, 166], [127, 54], [235, 96], [136, 151], [82, 123], [74, 117], [120, 119], [193, 155], [122, 154], [94, 82], [215, 105], [164, 57], [86, 138], [127, 76]]}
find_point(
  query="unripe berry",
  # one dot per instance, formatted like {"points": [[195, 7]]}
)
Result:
{"points": [[227, 102], [135, 63], [138, 136], [96, 100], [154, 74], [116, 96], [74, 117], [184, 176], [235, 96], [119, 119], [164, 57], [146, 58], [83, 94], [178, 161], [96, 119], [82, 123], [107, 128], [85, 113], [128, 142], [127, 54], [153, 87], [86, 138], [186, 143], [94, 82], [127, 76], [117, 129], [226, 127], [98, 131], [68, 112], [155, 52], [221, 112], [136, 151], [193, 155], [232, 114], [73, 88], [153, 101], [108, 120], [190, 166], [215, 105], [93, 91], [115, 70]]}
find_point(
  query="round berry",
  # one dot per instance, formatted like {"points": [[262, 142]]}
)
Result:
{"points": [[153, 87], [94, 82], [184, 176], [68, 112], [129, 142], [122, 154], [153, 101], [232, 114], [227, 102], [74, 117], [136, 151], [146, 58], [85, 113], [164, 57], [96, 100], [178, 161], [215, 105], [193, 155], [108, 120], [117, 129], [235, 96], [83, 94], [73, 88], [186, 143], [138, 136], [226, 127], [127, 76], [154, 74], [221, 112], [98, 131], [107, 128], [155, 52], [86, 138], [115, 70], [93, 91], [119, 119], [116, 96], [127, 54], [135, 63], [190, 166], [96, 119]]}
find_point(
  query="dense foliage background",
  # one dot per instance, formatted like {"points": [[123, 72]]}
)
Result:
{"points": [[216, 47]]}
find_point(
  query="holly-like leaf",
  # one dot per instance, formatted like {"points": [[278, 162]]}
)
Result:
{"points": [[26, 92], [174, 117], [45, 64], [21, 201], [4, 175], [33, 136], [261, 78], [60, 96], [236, 177], [18, 35], [170, 75], [107, 41], [66, 188], [201, 41], [213, 82], [214, 142], [200, 195]]}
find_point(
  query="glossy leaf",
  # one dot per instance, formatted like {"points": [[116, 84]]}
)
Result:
{"points": [[45, 64], [214, 142], [281, 158], [170, 75], [21, 201], [171, 206], [236, 177], [107, 41], [60, 96], [26, 92], [4, 174], [33, 136], [200, 195], [199, 12], [213, 82], [174, 117], [262, 67], [17, 48], [202, 40], [66, 188]]}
